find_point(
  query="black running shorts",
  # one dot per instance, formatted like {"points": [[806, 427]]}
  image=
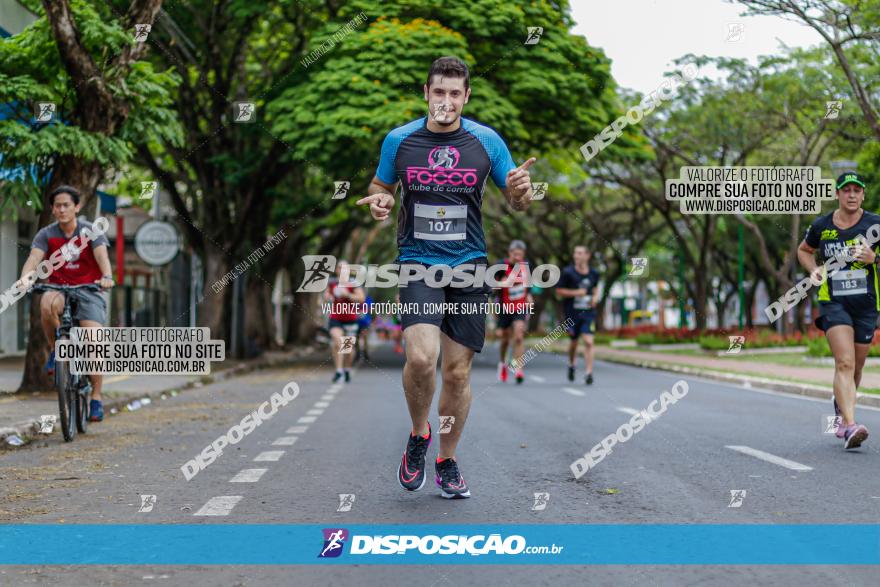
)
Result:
{"points": [[467, 329], [863, 322]]}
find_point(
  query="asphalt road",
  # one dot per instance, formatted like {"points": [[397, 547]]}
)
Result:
{"points": [[519, 440]]}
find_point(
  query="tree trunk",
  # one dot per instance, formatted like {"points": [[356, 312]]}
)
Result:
{"points": [[259, 325], [212, 312]]}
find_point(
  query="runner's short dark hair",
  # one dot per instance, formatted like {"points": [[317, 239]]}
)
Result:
{"points": [[64, 189], [449, 67]]}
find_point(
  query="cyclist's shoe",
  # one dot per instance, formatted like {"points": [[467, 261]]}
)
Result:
{"points": [[502, 372], [449, 480], [854, 436], [347, 376], [571, 372], [50, 364], [411, 471], [96, 410], [589, 379], [337, 376], [520, 376]]}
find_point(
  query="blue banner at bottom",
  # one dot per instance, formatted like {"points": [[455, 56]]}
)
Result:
{"points": [[605, 544]]}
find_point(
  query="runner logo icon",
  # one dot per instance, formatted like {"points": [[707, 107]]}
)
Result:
{"points": [[334, 540], [319, 268]]}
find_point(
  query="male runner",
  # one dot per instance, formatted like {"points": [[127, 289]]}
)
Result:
{"points": [[343, 322], [849, 299], [577, 286], [91, 265], [514, 299], [442, 162]]}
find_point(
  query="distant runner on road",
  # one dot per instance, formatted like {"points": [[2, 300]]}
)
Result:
{"points": [[343, 323], [442, 162], [577, 287], [513, 318], [849, 299]]}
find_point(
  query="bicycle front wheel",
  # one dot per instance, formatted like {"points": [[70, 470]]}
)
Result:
{"points": [[66, 400]]}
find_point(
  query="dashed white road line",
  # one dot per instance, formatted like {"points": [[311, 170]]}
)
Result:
{"points": [[766, 456], [248, 476], [573, 391], [219, 506], [284, 441], [269, 455], [314, 412], [297, 429], [306, 419], [537, 378], [322, 404], [327, 397]]}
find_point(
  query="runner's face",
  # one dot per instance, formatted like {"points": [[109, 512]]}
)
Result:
{"points": [[516, 255], [63, 208], [581, 255], [446, 97], [850, 197]]}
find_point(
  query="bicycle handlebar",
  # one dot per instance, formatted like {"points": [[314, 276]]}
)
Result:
{"points": [[42, 287]]}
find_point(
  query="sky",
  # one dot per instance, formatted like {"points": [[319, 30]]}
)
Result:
{"points": [[642, 37]]}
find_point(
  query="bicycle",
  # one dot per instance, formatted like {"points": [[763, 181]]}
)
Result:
{"points": [[74, 391]]}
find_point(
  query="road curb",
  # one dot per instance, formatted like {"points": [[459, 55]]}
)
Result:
{"points": [[804, 389], [28, 430]]}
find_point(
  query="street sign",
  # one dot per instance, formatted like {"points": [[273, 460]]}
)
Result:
{"points": [[156, 242]]}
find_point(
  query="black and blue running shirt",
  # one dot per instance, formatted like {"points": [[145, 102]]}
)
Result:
{"points": [[442, 177]]}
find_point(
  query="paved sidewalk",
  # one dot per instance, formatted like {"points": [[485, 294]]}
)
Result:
{"points": [[815, 381], [20, 412]]}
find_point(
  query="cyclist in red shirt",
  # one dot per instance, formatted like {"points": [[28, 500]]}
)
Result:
{"points": [[515, 300], [89, 265], [343, 322]]}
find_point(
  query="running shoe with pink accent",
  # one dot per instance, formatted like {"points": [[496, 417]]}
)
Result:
{"points": [[855, 435], [502, 372], [411, 471], [449, 480]]}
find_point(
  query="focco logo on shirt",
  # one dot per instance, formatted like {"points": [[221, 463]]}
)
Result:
{"points": [[441, 169]]}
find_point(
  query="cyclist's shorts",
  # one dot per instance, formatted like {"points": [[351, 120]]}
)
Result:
{"points": [[863, 322], [583, 324], [466, 328], [90, 305], [507, 320]]}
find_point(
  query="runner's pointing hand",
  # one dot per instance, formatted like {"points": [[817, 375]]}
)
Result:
{"points": [[519, 181], [380, 205]]}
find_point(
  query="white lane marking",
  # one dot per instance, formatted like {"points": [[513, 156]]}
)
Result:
{"points": [[306, 419], [284, 441], [269, 455], [297, 429], [314, 412], [322, 404], [333, 390], [248, 476], [632, 412], [766, 456], [573, 391], [219, 506], [537, 378], [328, 397]]}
